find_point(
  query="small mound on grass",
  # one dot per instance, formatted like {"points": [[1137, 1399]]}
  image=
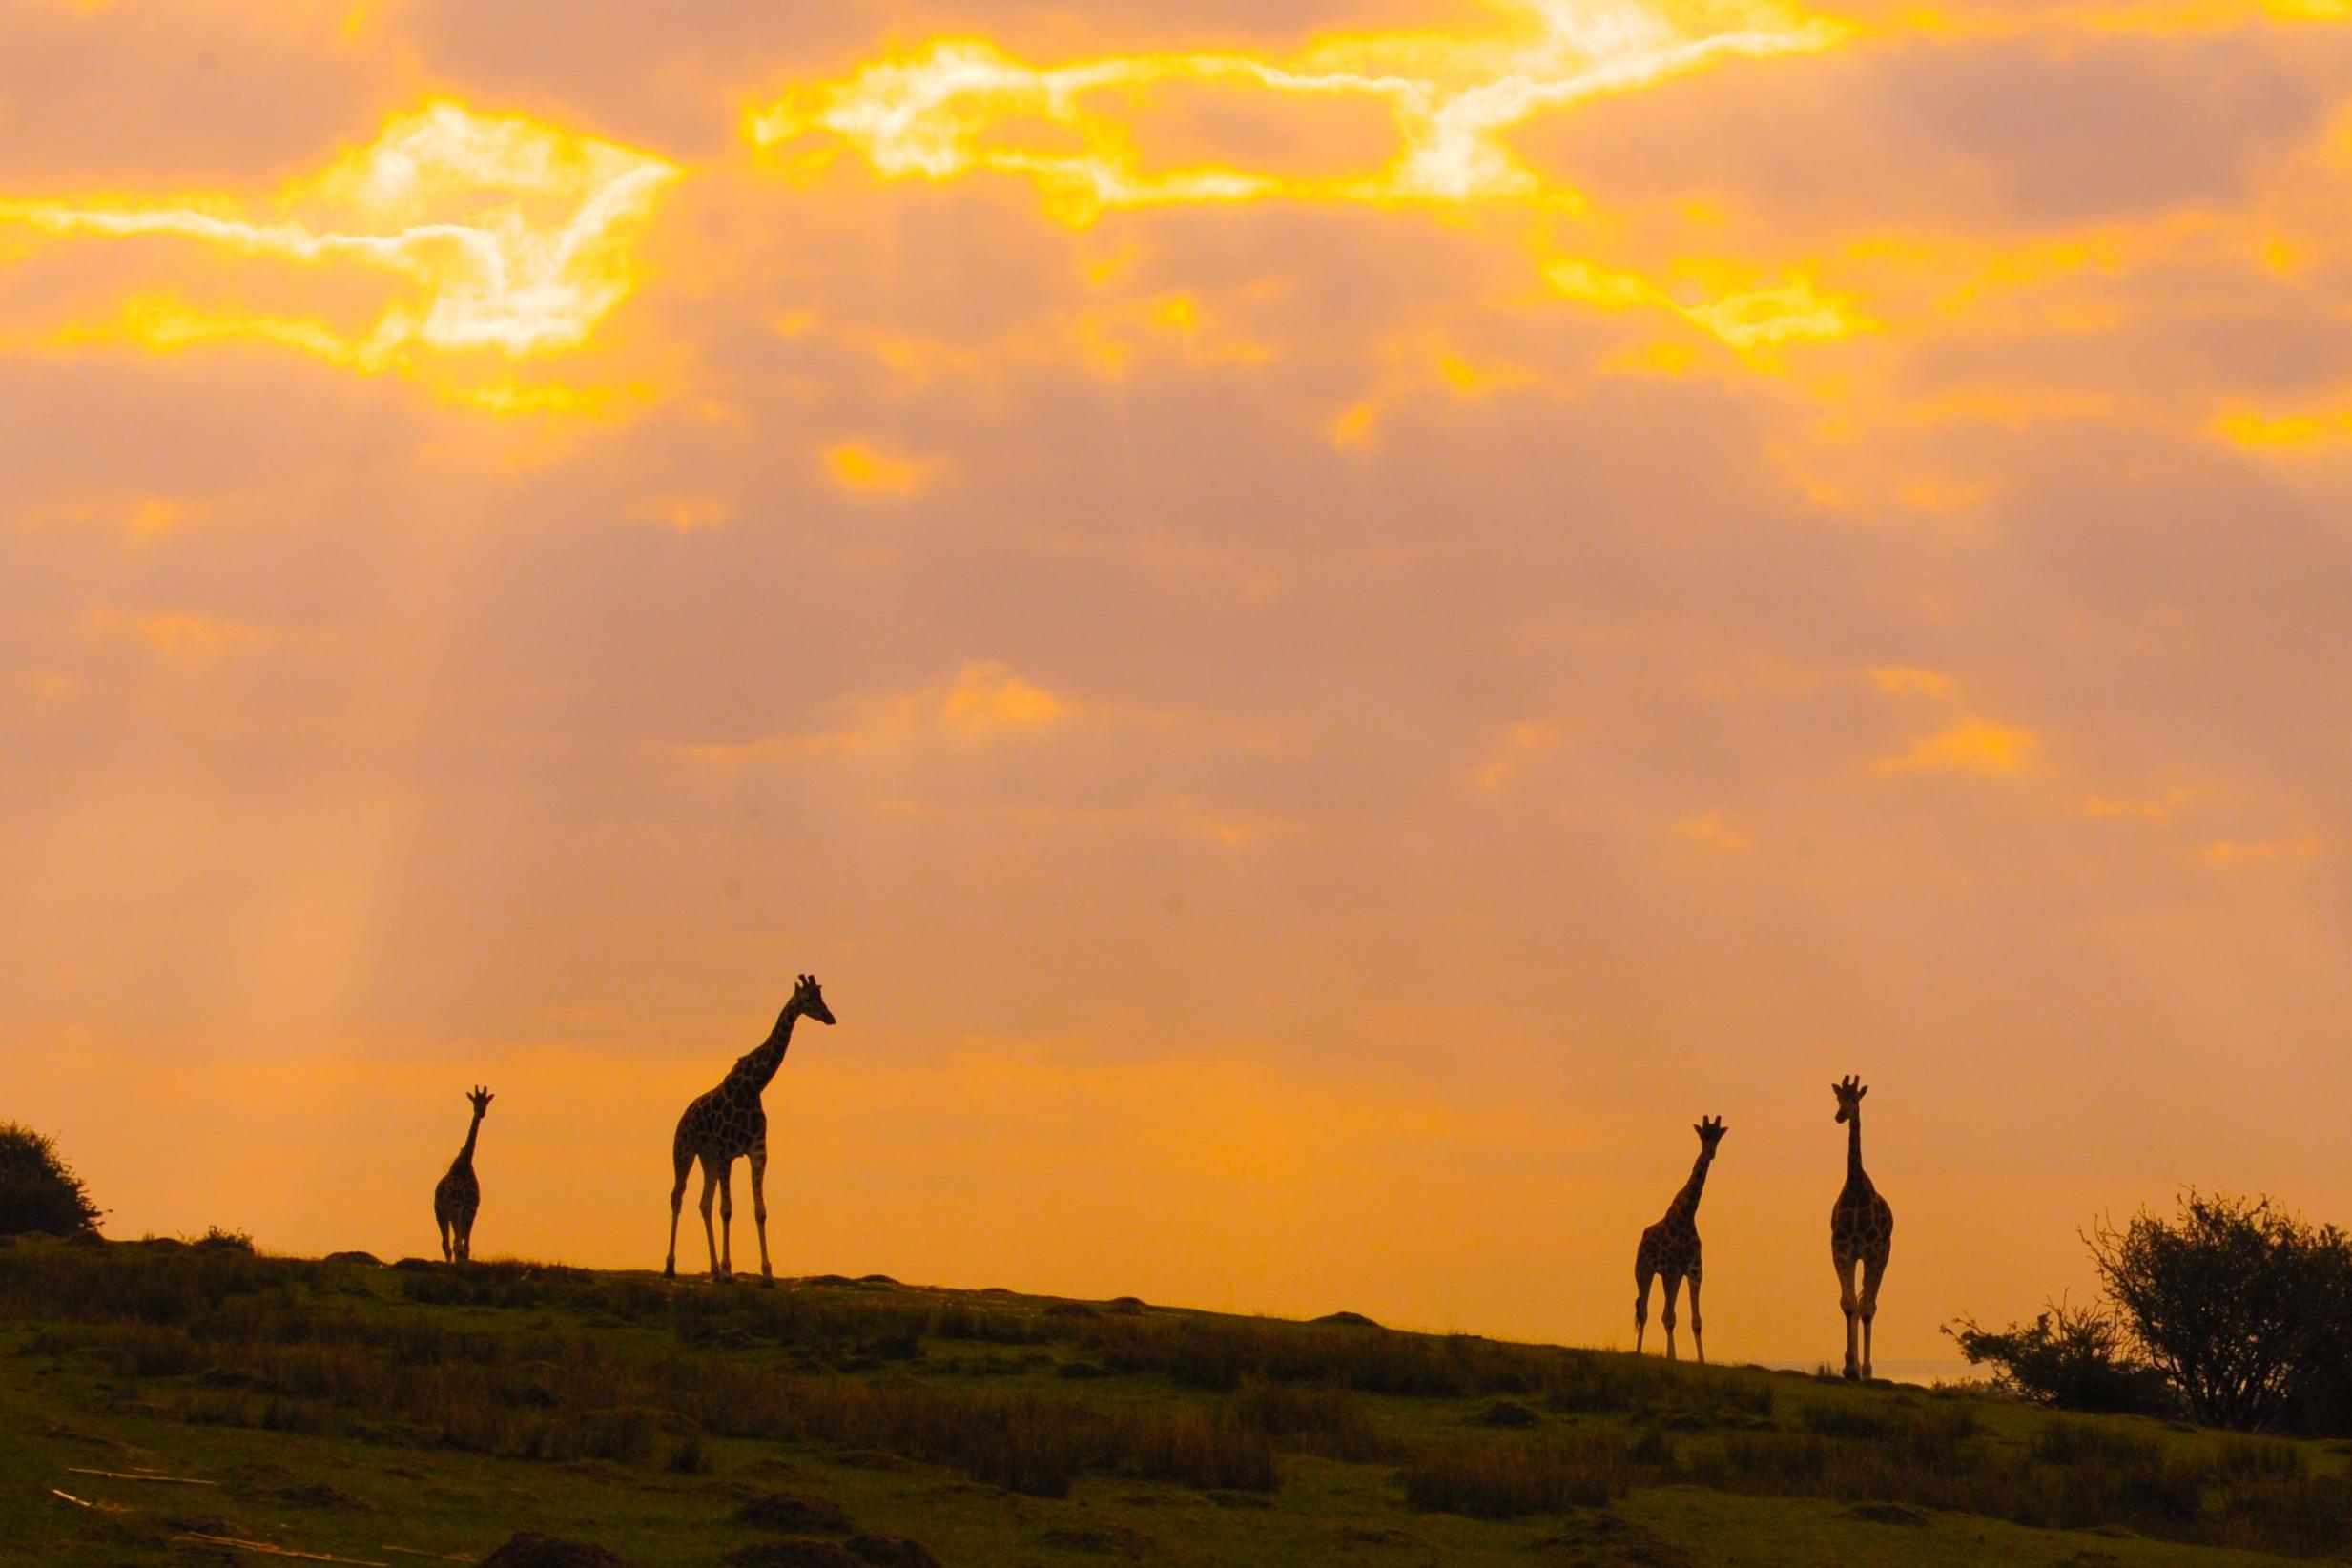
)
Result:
{"points": [[892, 1552], [1107, 1541], [1603, 1541], [1506, 1412], [1887, 1512], [793, 1552], [532, 1549], [796, 1512]]}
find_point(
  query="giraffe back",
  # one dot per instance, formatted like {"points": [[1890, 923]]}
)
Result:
{"points": [[725, 1124]]}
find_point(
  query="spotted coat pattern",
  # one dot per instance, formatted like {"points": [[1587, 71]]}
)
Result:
{"points": [[1669, 1250], [729, 1124], [1861, 1233], [457, 1197]]}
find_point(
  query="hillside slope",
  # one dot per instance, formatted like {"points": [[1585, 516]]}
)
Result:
{"points": [[414, 1413]]}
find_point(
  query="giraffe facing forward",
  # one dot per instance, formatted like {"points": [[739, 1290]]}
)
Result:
{"points": [[1669, 1250], [457, 1197], [728, 1125], [1860, 1231]]}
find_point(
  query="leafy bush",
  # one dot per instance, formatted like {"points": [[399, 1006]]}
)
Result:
{"points": [[2242, 1305], [2068, 1358], [38, 1190]]}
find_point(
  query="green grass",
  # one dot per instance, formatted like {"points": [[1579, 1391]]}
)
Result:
{"points": [[346, 1408]]}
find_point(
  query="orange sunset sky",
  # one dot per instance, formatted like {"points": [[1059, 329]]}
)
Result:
{"points": [[1327, 619]]}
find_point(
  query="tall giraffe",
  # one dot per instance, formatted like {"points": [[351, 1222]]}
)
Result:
{"points": [[727, 1124], [1860, 1231], [1670, 1248], [457, 1197]]}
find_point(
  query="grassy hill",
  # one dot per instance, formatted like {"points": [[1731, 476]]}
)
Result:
{"points": [[416, 1412]]}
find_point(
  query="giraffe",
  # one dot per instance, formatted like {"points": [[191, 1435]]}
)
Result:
{"points": [[1860, 1230], [726, 1125], [458, 1195], [1670, 1248]]}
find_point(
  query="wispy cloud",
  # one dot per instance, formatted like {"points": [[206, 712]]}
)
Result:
{"points": [[982, 702], [861, 466], [1974, 746], [185, 638], [1520, 745]]}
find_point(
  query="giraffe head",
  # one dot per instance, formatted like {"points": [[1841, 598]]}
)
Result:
{"points": [[1710, 1131], [810, 1001], [1849, 1091], [480, 1099]]}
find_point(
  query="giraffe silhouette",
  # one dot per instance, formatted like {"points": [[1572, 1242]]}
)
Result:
{"points": [[1860, 1231], [457, 1197], [1670, 1248], [727, 1124]]}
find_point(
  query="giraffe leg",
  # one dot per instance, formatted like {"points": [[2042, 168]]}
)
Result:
{"points": [[1674, 1283], [759, 1207], [446, 1255], [727, 1221], [1846, 1303], [1697, 1340], [1642, 1304], [685, 1163], [710, 1189], [1873, 1271]]}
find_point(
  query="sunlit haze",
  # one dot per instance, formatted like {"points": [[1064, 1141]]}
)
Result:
{"points": [[1326, 619]]}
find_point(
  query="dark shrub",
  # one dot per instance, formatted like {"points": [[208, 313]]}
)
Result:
{"points": [[38, 1190], [2242, 1304], [2069, 1359]]}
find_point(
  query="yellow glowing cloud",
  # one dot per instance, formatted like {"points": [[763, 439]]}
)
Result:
{"points": [[1971, 747], [506, 235], [861, 466], [958, 106], [1768, 317], [1749, 321], [2239, 855], [180, 637], [140, 515], [2256, 430], [983, 700], [989, 697]]}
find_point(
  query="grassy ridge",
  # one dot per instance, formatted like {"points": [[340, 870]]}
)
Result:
{"points": [[343, 1406]]}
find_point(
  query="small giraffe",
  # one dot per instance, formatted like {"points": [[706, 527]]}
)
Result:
{"points": [[1670, 1248], [457, 1197], [1860, 1231], [727, 1124]]}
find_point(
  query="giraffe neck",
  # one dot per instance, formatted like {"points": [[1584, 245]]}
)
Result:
{"points": [[756, 1068], [1853, 1149], [1686, 1202], [465, 1156]]}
